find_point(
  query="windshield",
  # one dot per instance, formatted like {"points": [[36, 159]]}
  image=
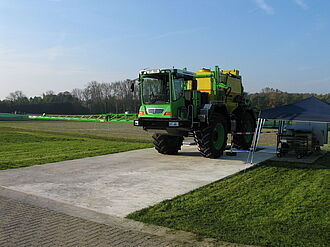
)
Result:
{"points": [[155, 90]]}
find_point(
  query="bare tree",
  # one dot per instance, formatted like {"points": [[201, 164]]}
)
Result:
{"points": [[15, 96], [78, 93]]}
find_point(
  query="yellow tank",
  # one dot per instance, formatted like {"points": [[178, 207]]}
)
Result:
{"points": [[205, 83], [222, 86]]}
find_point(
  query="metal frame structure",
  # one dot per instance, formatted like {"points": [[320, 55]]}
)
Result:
{"points": [[255, 141], [129, 117]]}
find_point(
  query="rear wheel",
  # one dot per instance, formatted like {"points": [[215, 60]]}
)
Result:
{"points": [[166, 144], [212, 139], [245, 123]]}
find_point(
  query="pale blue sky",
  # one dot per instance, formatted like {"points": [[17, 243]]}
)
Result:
{"points": [[62, 44]]}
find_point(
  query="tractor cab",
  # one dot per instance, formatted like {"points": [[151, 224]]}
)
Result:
{"points": [[162, 92]]}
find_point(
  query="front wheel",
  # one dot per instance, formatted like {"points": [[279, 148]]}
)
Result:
{"points": [[212, 139], [166, 144]]}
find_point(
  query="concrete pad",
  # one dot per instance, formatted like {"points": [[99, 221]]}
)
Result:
{"points": [[121, 183]]}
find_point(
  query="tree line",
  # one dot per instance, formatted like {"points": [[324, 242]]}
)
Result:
{"points": [[270, 98], [95, 98], [116, 97]]}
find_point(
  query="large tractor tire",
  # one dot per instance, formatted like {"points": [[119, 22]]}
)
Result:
{"points": [[245, 123], [166, 144], [212, 139]]}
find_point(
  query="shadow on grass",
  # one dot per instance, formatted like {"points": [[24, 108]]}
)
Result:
{"points": [[322, 163]]}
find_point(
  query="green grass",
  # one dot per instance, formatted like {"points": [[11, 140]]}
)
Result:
{"points": [[20, 148], [108, 131], [273, 204]]}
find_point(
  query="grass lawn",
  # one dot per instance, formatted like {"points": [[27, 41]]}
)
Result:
{"points": [[272, 204], [110, 131], [21, 147]]}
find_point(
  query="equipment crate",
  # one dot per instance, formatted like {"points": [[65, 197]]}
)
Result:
{"points": [[299, 142]]}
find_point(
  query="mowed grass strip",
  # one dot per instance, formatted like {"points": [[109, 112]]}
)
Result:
{"points": [[108, 130], [274, 204], [20, 148]]}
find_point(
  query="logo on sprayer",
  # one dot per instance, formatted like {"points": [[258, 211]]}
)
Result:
{"points": [[155, 110]]}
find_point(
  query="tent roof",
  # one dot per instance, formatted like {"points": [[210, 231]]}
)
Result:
{"points": [[310, 109]]}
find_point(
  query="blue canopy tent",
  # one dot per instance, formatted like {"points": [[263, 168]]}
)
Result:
{"points": [[310, 109]]}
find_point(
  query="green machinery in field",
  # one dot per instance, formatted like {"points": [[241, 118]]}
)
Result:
{"points": [[108, 117], [207, 105]]}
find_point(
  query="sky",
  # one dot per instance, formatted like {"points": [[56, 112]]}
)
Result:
{"points": [[60, 45]]}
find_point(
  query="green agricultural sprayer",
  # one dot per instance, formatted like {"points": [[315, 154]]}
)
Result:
{"points": [[206, 105]]}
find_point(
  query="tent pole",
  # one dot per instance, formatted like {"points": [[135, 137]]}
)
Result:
{"points": [[280, 131], [253, 141], [260, 129], [255, 137], [257, 141]]}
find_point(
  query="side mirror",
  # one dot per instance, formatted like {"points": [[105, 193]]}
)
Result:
{"points": [[132, 87]]}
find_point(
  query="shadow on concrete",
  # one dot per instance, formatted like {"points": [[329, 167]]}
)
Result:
{"points": [[240, 154], [185, 153]]}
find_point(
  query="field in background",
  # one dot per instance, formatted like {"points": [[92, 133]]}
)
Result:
{"points": [[25, 143], [106, 130], [125, 131], [20, 148], [120, 131]]}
